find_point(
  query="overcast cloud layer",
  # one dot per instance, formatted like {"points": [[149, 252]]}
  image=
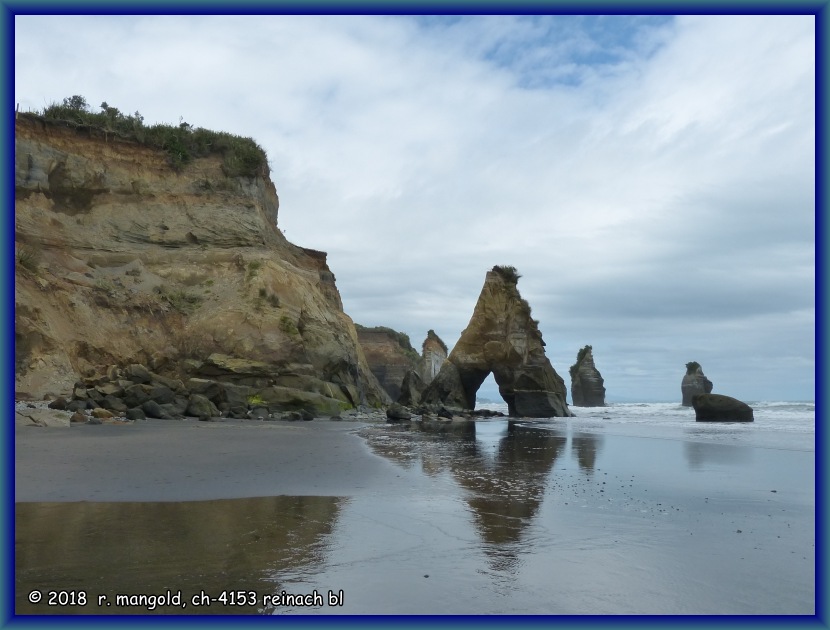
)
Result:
{"points": [[652, 178]]}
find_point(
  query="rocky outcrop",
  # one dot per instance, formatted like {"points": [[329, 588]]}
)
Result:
{"points": [[395, 363], [433, 354], [587, 386], [122, 259], [694, 382], [138, 393], [720, 408], [504, 340], [390, 356]]}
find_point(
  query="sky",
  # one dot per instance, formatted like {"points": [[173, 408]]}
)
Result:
{"points": [[652, 178]]}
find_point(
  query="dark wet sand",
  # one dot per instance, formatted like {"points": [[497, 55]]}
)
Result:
{"points": [[561, 522], [188, 460]]}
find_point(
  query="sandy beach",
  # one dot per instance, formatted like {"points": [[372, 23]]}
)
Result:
{"points": [[552, 521]]}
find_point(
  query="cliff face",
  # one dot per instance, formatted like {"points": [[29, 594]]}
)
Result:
{"points": [[587, 385], [120, 259], [390, 356], [501, 338]]}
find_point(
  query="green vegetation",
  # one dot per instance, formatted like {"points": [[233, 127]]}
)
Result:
{"points": [[242, 157], [253, 268], [265, 296], [28, 258], [433, 335], [288, 326], [182, 301], [692, 367], [402, 339], [507, 272], [255, 400], [579, 356]]}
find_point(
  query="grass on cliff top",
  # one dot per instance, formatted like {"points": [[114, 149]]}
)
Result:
{"points": [[242, 157], [402, 339], [508, 272], [579, 356]]}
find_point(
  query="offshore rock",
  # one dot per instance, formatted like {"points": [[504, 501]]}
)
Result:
{"points": [[504, 340], [720, 408], [587, 385], [694, 382]]}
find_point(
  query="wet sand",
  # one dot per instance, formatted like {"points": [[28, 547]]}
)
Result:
{"points": [[550, 521], [188, 460]]}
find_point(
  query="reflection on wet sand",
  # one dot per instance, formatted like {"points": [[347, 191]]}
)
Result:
{"points": [[503, 466], [698, 454], [586, 446], [152, 548]]}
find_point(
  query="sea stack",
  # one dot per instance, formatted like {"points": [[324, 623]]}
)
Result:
{"points": [[433, 355], [694, 382], [504, 340], [587, 388]]}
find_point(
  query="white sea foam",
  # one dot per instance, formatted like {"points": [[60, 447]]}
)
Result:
{"points": [[778, 424]]}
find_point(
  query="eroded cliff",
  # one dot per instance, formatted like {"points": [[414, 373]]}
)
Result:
{"points": [[122, 259]]}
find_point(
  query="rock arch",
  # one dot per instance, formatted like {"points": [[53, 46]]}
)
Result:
{"points": [[503, 339]]}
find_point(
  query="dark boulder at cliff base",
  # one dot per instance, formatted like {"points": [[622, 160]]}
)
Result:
{"points": [[720, 408], [694, 382]]}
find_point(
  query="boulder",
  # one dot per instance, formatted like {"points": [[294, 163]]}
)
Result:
{"points": [[720, 408], [100, 413], [113, 404], [137, 373], [289, 399], [503, 339], [587, 385], [59, 403], [411, 389], [153, 410], [136, 414], [397, 413], [161, 394], [136, 395], [78, 417], [200, 407], [212, 390], [694, 382]]}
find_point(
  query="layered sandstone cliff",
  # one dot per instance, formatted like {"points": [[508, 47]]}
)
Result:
{"points": [[504, 339], [122, 259], [587, 384], [390, 356]]}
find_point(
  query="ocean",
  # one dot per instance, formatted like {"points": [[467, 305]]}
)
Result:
{"points": [[777, 424]]}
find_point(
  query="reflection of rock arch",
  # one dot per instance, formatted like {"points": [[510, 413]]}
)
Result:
{"points": [[586, 446], [504, 340], [505, 495]]}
